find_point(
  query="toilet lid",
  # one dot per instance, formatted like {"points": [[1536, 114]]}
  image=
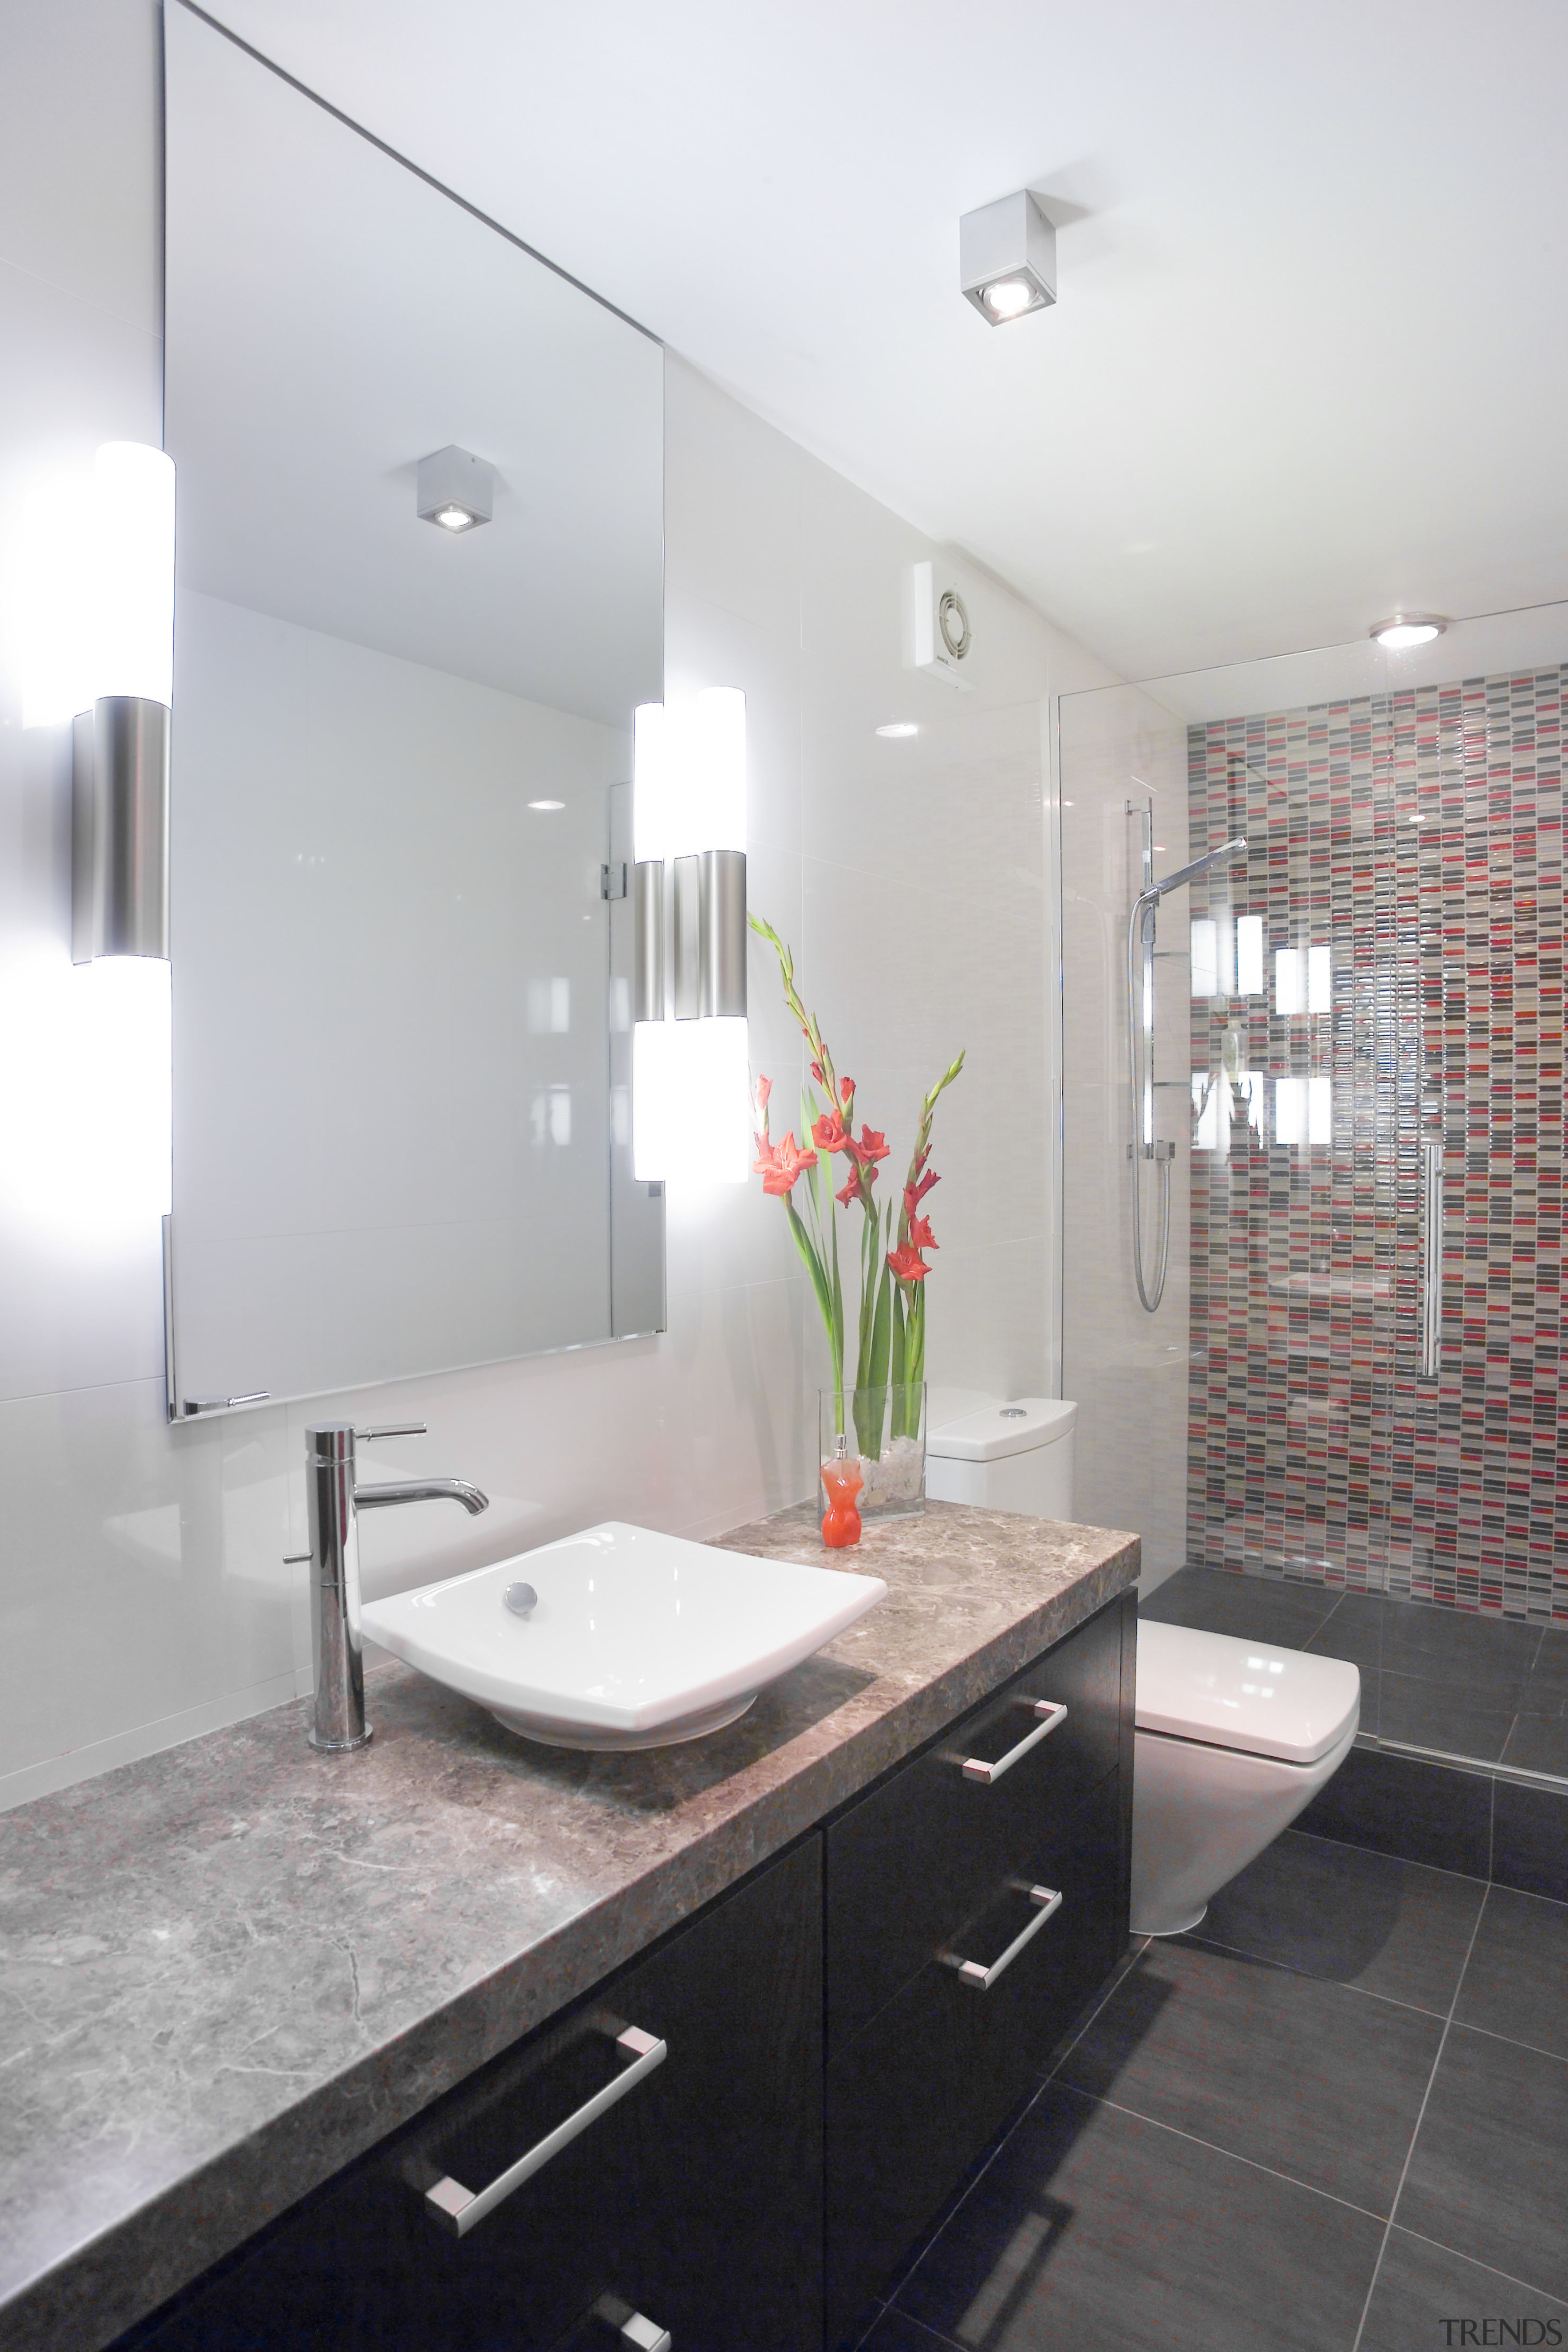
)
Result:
{"points": [[1247, 1694], [997, 1430]]}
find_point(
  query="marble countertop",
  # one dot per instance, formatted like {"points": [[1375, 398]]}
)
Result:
{"points": [[230, 1968]]}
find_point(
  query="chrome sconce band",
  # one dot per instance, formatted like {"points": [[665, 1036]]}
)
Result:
{"points": [[721, 927], [647, 939], [708, 945], [119, 829], [686, 959]]}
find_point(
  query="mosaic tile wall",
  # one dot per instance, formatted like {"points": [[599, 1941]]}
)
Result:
{"points": [[1417, 837]]}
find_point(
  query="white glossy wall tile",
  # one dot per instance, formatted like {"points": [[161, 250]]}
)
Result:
{"points": [[143, 1591], [1127, 1369]]}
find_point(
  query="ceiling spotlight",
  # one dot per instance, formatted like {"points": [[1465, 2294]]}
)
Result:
{"points": [[1402, 630], [546, 805], [1007, 258], [456, 490], [900, 728]]}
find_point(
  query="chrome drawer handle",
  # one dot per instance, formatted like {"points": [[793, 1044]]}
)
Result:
{"points": [[975, 1767], [643, 2334], [970, 1972], [456, 2210]]}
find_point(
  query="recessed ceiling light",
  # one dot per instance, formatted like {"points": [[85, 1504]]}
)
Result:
{"points": [[1402, 630], [1007, 258], [454, 517], [547, 805], [899, 729]]}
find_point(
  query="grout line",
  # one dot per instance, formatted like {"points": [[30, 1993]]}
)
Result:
{"points": [[1229, 2154], [1129, 1959], [1420, 2118], [1310, 1976], [1490, 2268], [1509, 2040], [1404, 1861]]}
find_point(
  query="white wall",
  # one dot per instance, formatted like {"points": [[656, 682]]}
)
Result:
{"points": [[1127, 1369], [143, 1595]]}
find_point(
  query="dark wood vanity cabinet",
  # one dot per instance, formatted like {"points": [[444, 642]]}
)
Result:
{"points": [[695, 2200], [941, 1866], [832, 2069]]}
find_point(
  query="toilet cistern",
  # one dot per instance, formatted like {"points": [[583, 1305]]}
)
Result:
{"points": [[335, 1501]]}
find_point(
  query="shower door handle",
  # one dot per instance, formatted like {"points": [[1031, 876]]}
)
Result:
{"points": [[1431, 1259]]}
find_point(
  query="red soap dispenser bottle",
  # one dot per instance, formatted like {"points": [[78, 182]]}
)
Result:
{"points": [[841, 1477]]}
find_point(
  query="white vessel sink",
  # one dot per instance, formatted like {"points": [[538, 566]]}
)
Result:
{"points": [[635, 1640]]}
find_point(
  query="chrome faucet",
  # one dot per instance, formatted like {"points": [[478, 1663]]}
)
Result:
{"points": [[335, 1502]]}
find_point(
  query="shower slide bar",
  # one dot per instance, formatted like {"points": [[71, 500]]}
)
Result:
{"points": [[1431, 1260]]}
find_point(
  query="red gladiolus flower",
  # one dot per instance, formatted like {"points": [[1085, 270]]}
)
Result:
{"points": [[908, 1265], [871, 1147], [845, 1087], [921, 1235], [851, 1189], [827, 1133], [787, 1164], [816, 1074], [764, 1088], [915, 1193], [769, 1157]]}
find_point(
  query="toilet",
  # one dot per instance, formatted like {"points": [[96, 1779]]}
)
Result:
{"points": [[1003, 1457], [1233, 1737]]}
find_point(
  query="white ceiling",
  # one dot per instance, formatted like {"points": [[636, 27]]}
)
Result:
{"points": [[1308, 354]]}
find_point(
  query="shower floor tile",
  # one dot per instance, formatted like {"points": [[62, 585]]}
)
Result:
{"points": [[1391, 1928], [1252, 1608], [1451, 1720], [1539, 1743]]}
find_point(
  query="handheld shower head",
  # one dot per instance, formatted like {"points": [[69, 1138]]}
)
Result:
{"points": [[1185, 873]]}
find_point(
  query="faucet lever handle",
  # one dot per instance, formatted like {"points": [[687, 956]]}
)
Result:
{"points": [[392, 1429]]}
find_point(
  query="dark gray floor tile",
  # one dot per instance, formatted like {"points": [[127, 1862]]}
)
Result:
{"points": [[1096, 2231], [1368, 1919], [1252, 1608], [1530, 1840], [1447, 1716], [1539, 1743], [1353, 1631], [1420, 2287], [1516, 1982], [896, 2332], [1395, 1804], [1548, 1674], [1319, 2081], [1489, 2173], [1486, 1655]]}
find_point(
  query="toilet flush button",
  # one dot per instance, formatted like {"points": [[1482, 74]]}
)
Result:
{"points": [[1015, 1412]]}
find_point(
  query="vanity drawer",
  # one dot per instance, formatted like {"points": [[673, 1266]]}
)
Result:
{"points": [[915, 2098], [908, 1863], [694, 2197]]}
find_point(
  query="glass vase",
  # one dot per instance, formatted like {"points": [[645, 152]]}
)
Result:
{"points": [[885, 1430]]}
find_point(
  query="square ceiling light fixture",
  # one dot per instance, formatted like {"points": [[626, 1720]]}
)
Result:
{"points": [[457, 489], [1007, 258]]}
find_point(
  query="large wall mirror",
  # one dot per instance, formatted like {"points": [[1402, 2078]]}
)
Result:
{"points": [[401, 762]]}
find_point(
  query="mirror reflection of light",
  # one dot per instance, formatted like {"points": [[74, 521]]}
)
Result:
{"points": [[84, 1093]]}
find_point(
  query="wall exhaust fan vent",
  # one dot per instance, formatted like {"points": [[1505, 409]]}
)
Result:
{"points": [[940, 634]]}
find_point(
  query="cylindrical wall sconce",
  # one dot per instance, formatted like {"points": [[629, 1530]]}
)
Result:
{"points": [[689, 1106], [119, 764]]}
